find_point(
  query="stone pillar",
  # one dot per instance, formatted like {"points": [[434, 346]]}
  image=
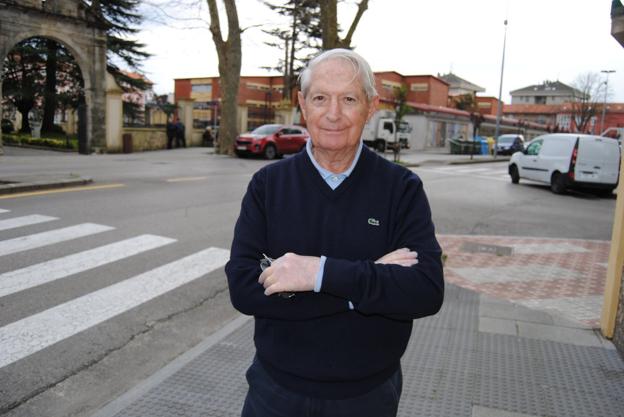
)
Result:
{"points": [[114, 115], [185, 114], [242, 119], [97, 117]]}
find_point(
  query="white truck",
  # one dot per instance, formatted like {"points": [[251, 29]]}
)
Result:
{"points": [[379, 132], [614, 132]]}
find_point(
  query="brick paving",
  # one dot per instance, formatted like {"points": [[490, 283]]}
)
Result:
{"points": [[565, 277]]}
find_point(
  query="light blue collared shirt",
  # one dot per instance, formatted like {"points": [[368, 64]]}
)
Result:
{"points": [[334, 181]]}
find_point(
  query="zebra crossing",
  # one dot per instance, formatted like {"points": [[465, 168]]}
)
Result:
{"points": [[28, 335], [490, 171]]}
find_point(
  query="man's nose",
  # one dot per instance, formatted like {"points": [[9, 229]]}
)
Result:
{"points": [[334, 109]]}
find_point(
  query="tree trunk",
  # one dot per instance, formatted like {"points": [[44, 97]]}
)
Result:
{"points": [[229, 54], [291, 60], [329, 24], [49, 93]]}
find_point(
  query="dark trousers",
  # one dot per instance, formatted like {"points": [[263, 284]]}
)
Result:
{"points": [[266, 398]]}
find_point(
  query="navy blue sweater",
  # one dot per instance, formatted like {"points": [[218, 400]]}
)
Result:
{"points": [[313, 343]]}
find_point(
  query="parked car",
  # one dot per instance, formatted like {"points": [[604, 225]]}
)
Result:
{"points": [[271, 141], [569, 160], [509, 143]]}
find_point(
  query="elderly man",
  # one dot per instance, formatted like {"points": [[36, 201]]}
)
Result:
{"points": [[349, 258]]}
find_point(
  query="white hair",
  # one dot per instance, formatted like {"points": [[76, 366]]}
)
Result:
{"points": [[360, 68]]}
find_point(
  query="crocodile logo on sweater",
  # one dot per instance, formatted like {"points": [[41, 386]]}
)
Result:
{"points": [[373, 222]]}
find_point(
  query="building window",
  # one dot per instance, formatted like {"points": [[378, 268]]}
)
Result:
{"points": [[256, 86], [390, 85], [201, 88], [419, 87]]}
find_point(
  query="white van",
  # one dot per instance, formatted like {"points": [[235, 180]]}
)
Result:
{"points": [[569, 160]]}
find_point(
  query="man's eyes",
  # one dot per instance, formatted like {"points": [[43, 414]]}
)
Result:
{"points": [[321, 99]]}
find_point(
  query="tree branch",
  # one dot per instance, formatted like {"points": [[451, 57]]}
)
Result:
{"points": [[346, 42], [215, 25]]}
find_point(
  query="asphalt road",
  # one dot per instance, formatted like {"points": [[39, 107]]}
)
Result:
{"points": [[181, 203]]}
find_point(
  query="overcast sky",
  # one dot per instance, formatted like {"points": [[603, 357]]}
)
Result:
{"points": [[546, 40]]}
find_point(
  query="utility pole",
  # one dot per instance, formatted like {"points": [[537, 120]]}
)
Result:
{"points": [[500, 94], [604, 105]]}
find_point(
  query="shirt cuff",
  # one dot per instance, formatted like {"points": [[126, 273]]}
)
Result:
{"points": [[319, 275]]}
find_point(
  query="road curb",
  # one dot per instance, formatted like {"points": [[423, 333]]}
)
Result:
{"points": [[8, 186]]}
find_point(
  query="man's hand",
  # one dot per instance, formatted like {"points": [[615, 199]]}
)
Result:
{"points": [[403, 257], [296, 273], [290, 273]]}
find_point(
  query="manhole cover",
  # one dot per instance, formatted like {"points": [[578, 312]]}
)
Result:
{"points": [[475, 247]]}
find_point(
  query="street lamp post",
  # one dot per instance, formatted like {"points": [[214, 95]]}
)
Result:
{"points": [[604, 105], [500, 94]]}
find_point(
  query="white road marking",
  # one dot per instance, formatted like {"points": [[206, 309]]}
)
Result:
{"points": [[24, 221], [494, 173], [38, 240], [34, 333], [475, 170], [4, 211], [34, 275], [182, 179]]}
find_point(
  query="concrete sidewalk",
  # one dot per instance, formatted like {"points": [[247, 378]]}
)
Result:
{"points": [[515, 338]]}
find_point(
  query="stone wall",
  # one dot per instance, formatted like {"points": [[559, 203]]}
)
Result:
{"points": [[152, 139]]}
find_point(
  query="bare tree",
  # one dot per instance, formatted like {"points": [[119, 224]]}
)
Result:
{"points": [[299, 42], [230, 56], [329, 24], [587, 101]]}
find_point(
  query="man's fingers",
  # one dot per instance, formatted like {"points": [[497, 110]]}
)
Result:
{"points": [[265, 274], [402, 256]]}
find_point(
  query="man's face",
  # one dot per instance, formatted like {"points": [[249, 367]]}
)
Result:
{"points": [[336, 107]]}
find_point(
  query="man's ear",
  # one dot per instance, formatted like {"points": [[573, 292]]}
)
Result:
{"points": [[372, 107], [301, 99]]}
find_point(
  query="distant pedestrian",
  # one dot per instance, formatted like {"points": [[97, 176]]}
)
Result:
{"points": [[170, 133], [207, 138], [179, 134]]}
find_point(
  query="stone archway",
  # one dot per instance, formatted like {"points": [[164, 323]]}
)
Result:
{"points": [[72, 23]]}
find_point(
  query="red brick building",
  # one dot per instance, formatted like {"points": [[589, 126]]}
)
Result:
{"points": [[423, 89], [261, 101], [258, 99], [488, 105], [560, 116]]}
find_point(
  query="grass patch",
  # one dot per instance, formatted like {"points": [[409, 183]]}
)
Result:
{"points": [[52, 141]]}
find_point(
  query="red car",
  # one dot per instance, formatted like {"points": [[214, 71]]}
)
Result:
{"points": [[271, 141]]}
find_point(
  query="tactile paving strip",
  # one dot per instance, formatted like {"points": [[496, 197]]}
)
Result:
{"points": [[448, 367]]}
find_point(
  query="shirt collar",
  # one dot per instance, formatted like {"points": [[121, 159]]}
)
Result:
{"points": [[326, 173]]}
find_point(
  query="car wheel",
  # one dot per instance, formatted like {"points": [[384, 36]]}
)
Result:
{"points": [[513, 173], [270, 152], [380, 145], [558, 183], [605, 193]]}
